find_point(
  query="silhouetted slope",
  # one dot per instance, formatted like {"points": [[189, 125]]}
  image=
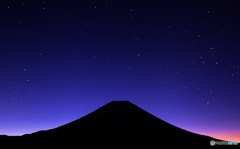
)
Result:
{"points": [[119, 123]]}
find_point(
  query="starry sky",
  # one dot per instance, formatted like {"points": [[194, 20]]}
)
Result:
{"points": [[178, 60]]}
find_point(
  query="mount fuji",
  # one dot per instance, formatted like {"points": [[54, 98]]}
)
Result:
{"points": [[118, 123]]}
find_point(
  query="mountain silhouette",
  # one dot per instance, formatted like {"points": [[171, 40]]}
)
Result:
{"points": [[118, 123]]}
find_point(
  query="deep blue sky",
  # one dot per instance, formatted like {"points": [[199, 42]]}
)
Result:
{"points": [[178, 60]]}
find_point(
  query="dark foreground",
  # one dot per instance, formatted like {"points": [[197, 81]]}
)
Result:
{"points": [[116, 124]]}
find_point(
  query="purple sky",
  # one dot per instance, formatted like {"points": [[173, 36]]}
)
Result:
{"points": [[177, 60]]}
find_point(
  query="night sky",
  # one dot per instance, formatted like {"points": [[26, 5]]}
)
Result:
{"points": [[178, 60]]}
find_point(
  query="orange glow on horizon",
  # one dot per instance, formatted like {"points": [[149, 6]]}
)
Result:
{"points": [[227, 136]]}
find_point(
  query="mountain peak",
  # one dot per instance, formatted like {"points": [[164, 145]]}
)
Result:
{"points": [[120, 111], [117, 122]]}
